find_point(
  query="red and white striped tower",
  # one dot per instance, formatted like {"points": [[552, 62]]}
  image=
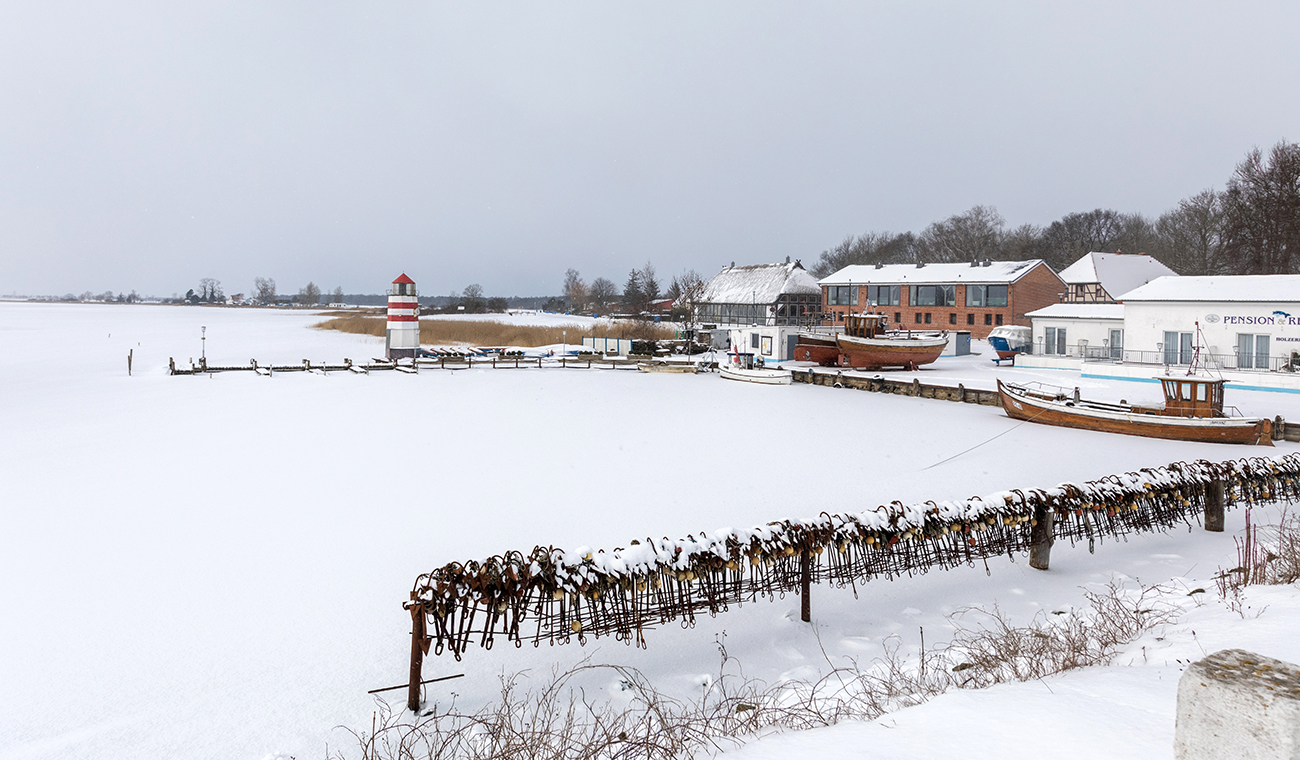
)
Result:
{"points": [[403, 337]]}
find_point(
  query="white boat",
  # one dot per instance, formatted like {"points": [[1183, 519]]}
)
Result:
{"points": [[745, 367]]}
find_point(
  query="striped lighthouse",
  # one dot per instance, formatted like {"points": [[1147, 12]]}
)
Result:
{"points": [[403, 337]]}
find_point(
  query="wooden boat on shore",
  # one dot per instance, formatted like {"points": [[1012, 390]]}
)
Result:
{"points": [[744, 367], [1193, 411], [817, 347], [865, 344], [666, 367]]}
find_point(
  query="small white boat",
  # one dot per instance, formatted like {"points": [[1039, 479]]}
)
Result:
{"points": [[745, 367]]}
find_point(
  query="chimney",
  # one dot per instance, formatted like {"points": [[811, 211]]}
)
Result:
{"points": [[787, 259], [879, 265], [920, 264]]}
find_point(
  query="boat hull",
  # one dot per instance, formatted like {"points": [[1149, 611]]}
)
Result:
{"points": [[1021, 406], [824, 351], [878, 353], [761, 376]]}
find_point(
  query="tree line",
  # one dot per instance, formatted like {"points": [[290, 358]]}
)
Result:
{"points": [[1252, 226], [641, 292]]}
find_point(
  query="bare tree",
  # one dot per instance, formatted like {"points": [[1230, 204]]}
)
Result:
{"points": [[1190, 237], [972, 235], [602, 294], [309, 295], [472, 299], [685, 291], [337, 295], [264, 290], [1261, 208], [868, 248], [649, 284], [210, 290], [575, 290]]}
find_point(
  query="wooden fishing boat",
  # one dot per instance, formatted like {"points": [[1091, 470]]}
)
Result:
{"points": [[865, 344], [744, 367], [666, 367], [1193, 411], [817, 347]]}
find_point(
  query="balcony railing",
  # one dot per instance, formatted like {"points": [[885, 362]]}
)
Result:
{"points": [[1234, 362]]}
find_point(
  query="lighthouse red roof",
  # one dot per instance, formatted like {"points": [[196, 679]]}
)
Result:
{"points": [[403, 280]]}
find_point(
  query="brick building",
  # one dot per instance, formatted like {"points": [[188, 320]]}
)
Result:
{"points": [[977, 296]]}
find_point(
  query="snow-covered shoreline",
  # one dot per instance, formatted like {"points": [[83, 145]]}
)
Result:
{"points": [[215, 566]]}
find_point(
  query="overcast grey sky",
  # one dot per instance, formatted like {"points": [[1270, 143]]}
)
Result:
{"points": [[147, 144]]}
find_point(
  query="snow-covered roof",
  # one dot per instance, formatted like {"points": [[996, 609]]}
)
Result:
{"points": [[1080, 311], [1118, 273], [1283, 288], [758, 283], [932, 274]]}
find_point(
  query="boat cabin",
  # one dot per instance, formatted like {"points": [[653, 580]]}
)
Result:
{"points": [[1192, 396], [865, 325], [747, 361]]}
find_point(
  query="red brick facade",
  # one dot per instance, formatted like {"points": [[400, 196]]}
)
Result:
{"points": [[1037, 288]]}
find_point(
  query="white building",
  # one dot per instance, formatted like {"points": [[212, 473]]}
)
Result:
{"points": [[1247, 322], [1064, 333], [762, 307], [1105, 277]]}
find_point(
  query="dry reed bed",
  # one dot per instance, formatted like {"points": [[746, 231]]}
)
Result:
{"points": [[490, 333]]}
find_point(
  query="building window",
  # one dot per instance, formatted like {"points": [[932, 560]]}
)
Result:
{"points": [[1054, 342], [1252, 351], [986, 295], [936, 295], [898, 318], [842, 295], [988, 319], [952, 318], [918, 317], [753, 340], [1178, 348], [997, 319], [884, 295], [970, 319], [927, 317], [767, 345], [1117, 344]]}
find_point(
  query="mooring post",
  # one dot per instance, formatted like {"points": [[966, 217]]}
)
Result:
{"points": [[805, 585], [1041, 537], [129, 356], [417, 655], [1214, 498]]}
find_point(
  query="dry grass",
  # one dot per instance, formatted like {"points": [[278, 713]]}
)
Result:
{"points": [[558, 721], [1272, 558], [488, 333]]}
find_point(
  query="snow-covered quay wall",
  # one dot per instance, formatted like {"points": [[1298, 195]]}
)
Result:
{"points": [[553, 595]]}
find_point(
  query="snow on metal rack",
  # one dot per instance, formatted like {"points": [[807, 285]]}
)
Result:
{"points": [[551, 595]]}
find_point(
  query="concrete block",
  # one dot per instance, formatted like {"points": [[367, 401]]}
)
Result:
{"points": [[1236, 704]]}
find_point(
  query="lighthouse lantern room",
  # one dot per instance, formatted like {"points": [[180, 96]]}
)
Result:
{"points": [[402, 340]]}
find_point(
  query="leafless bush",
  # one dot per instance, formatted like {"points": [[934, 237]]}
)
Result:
{"points": [[1266, 555], [559, 721]]}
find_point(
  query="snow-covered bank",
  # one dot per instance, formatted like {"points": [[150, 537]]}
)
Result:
{"points": [[213, 567]]}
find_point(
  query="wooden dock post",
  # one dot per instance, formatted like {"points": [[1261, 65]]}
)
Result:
{"points": [[1214, 498], [129, 356], [419, 646], [1041, 537], [805, 585]]}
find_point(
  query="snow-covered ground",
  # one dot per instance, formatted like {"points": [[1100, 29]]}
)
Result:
{"points": [[213, 567]]}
